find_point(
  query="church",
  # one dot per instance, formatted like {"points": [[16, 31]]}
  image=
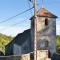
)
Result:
{"points": [[23, 43]]}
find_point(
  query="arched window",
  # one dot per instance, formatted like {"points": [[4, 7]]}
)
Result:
{"points": [[46, 21]]}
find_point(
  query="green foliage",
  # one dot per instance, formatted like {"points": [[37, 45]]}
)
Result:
{"points": [[58, 44], [4, 40], [58, 41]]}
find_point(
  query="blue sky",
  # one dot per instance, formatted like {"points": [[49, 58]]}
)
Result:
{"points": [[9, 8]]}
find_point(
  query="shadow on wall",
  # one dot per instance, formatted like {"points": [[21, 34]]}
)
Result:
{"points": [[58, 51], [55, 57], [1, 53]]}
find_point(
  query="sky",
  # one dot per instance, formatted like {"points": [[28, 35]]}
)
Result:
{"points": [[9, 8]]}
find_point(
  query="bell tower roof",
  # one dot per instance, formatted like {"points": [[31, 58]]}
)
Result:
{"points": [[45, 13], [42, 12]]}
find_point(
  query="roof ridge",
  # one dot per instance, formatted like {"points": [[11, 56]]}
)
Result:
{"points": [[44, 12]]}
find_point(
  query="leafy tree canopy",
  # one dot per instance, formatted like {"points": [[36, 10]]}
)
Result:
{"points": [[4, 40]]}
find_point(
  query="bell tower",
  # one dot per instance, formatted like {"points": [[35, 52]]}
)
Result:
{"points": [[46, 30]]}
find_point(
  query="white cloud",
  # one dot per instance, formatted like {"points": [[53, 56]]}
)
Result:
{"points": [[58, 29], [58, 26], [13, 31]]}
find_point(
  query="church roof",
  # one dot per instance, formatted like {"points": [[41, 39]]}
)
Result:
{"points": [[45, 13], [42, 12], [22, 37]]}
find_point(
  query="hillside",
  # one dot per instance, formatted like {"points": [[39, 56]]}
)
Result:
{"points": [[58, 43], [4, 40]]}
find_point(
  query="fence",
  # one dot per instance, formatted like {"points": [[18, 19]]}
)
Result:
{"points": [[41, 55]]}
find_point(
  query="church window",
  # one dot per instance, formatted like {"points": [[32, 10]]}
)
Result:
{"points": [[46, 21]]}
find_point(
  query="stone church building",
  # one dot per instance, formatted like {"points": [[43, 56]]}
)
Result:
{"points": [[46, 35]]}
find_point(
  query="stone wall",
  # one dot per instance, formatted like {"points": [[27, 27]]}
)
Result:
{"points": [[16, 49], [46, 34], [41, 55], [5, 58], [25, 57], [26, 48]]}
